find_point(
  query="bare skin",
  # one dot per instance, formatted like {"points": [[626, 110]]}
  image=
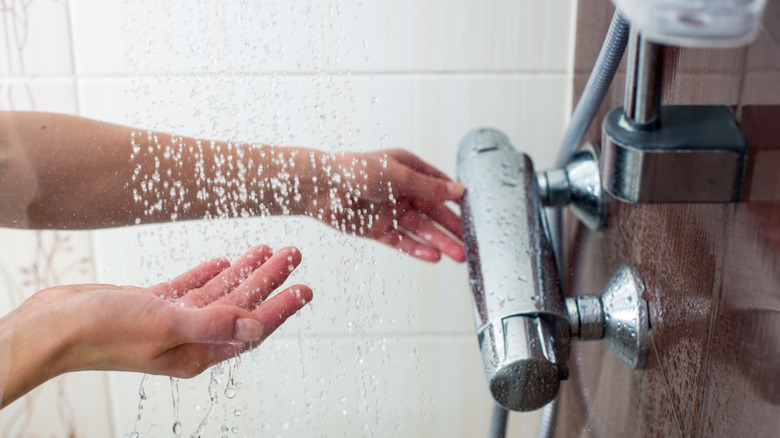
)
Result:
{"points": [[65, 172], [179, 328]]}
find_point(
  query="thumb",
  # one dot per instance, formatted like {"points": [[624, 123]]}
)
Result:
{"points": [[217, 324]]}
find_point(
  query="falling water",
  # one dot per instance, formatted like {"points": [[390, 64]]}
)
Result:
{"points": [[335, 75], [326, 112], [272, 72]]}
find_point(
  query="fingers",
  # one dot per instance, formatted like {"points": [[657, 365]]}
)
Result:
{"points": [[421, 226], [416, 178], [413, 161], [228, 279], [221, 323], [419, 237], [264, 280], [192, 279], [408, 245], [281, 306], [410, 183], [271, 315], [441, 215], [219, 332], [213, 324], [418, 231]]}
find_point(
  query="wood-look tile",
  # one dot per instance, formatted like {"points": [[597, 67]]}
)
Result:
{"points": [[762, 135], [711, 273], [743, 385], [762, 74]]}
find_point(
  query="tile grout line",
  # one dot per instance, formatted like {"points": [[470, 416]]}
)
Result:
{"points": [[276, 75], [108, 393], [569, 106], [401, 336], [74, 77], [668, 386], [717, 296]]}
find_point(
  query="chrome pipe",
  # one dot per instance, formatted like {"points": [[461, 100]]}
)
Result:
{"points": [[644, 74]]}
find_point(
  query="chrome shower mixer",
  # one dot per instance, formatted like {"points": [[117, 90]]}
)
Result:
{"points": [[524, 324]]}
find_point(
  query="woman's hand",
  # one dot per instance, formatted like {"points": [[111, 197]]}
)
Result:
{"points": [[179, 328], [391, 196]]}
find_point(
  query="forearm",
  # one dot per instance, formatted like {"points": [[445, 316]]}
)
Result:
{"points": [[67, 172], [183, 178], [59, 171]]}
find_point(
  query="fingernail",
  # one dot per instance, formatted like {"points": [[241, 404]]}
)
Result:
{"points": [[247, 329], [455, 189]]}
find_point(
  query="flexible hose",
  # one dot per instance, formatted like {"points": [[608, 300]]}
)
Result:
{"points": [[498, 422], [547, 422], [595, 89]]}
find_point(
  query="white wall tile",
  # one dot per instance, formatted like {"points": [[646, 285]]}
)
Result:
{"points": [[35, 38], [116, 36], [359, 286], [75, 404], [426, 114], [387, 339], [304, 386], [41, 259], [78, 402], [51, 95]]}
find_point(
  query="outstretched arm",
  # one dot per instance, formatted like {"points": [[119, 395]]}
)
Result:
{"points": [[180, 328], [67, 172]]}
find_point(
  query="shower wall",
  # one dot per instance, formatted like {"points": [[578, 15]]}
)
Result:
{"points": [[711, 271], [387, 348]]}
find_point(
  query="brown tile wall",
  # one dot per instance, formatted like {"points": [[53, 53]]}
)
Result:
{"points": [[712, 271]]}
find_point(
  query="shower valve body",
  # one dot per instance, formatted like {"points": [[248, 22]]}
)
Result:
{"points": [[524, 325]]}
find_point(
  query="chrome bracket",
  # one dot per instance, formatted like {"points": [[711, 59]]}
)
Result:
{"points": [[653, 153], [696, 154]]}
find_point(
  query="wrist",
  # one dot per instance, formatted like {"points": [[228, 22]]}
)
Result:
{"points": [[31, 352]]}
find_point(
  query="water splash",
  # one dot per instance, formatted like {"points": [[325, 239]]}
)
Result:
{"points": [[141, 400], [175, 400]]}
